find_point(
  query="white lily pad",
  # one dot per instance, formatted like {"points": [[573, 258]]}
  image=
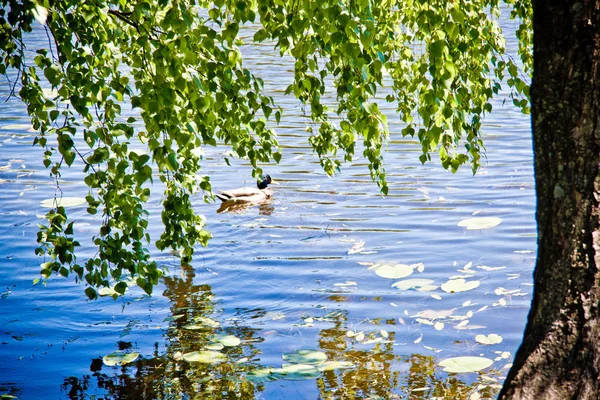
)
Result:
{"points": [[465, 364], [331, 365], [214, 346], [118, 358], [459, 285], [63, 202], [418, 284], [227, 340], [260, 375], [304, 356], [296, 372], [204, 357], [393, 271], [480, 223], [492, 338]]}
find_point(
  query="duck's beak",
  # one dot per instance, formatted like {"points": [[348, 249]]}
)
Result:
{"points": [[274, 182]]}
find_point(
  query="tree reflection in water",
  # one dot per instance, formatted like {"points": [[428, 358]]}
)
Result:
{"points": [[377, 373]]}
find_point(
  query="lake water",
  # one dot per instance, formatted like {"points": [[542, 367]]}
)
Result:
{"points": [[291, 275]]}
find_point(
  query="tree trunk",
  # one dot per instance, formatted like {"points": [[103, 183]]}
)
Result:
{"points": [[560, 354]]}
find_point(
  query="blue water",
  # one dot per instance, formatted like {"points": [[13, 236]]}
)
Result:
{"points": [[270, 269]]}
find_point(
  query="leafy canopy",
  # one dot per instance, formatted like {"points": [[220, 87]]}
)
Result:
{"points": [[179, 64]]}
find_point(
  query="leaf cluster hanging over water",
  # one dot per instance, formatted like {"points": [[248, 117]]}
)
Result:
{"points": [[178, 63]]}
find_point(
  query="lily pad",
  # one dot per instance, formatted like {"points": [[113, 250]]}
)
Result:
{"points": [[296, 372], [204, 357], [63, 202], [331, 365], [480, 223], [227, 340], [304, 356], [492, 338], [261, 375], [459, 285], [202, 323], [393, 271], [418, 284], [465, 364], [214, 346], [118, 358]]}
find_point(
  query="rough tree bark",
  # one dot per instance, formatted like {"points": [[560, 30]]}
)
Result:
{"points": [[560, 354]]}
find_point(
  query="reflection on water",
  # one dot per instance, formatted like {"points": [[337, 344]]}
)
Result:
{"points": [[297, 273], [239, 207], [368, 372]]}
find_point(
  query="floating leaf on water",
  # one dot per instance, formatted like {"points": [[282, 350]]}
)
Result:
{"points": [[207, 322], [436, 296], [174, 317], [63, 202], [384, 333], [360, 336], [438, 326], [304, 356], [357, 247], [227, 340], [214, 346], [296, 372], [350, 334], [204, 357], [118, 358], [418, 284], [261, 375], [393, 271], [331, 365], [402, 322], [462, 324], [459, 285], [419, 339], [465, 364], [193, 327], [480, 223], [492, 338], [486, 268], [424, 321]]}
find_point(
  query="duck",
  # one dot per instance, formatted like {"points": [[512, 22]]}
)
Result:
{"points": [[248, 194]]}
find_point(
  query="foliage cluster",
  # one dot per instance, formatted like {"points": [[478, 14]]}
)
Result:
{"points": [[179, 63]]}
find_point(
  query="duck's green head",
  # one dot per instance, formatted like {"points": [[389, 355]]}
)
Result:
{"points": [[265, 182]]}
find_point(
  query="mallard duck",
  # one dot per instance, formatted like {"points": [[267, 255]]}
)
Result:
{"points": [[247, 194]]}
